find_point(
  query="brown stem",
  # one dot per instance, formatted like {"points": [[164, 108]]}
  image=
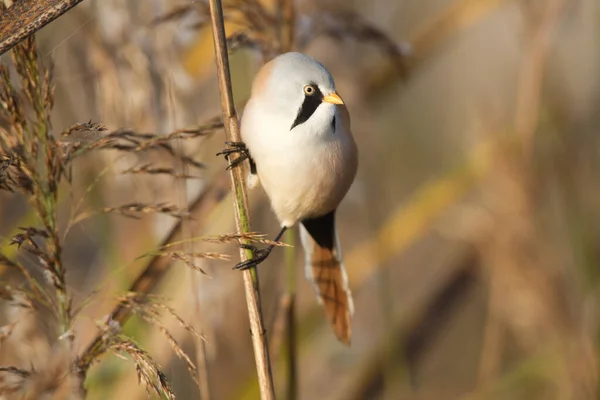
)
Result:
{"points": [[26, 17], [232, 132]]}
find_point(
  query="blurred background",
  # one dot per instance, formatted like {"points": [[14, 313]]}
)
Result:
{"points": [[471, 234]]}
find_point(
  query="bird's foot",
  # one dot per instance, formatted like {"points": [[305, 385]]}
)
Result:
{"points": [[258, 256], [235, 148]]}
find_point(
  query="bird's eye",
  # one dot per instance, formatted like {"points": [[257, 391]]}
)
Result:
{"points": [[309, 90]]}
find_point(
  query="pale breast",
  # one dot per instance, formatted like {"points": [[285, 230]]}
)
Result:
{"points": [[304, 173], [309, 183]]}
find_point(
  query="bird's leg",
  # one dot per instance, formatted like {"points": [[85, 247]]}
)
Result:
{"points": [[241, 149], [258, 255]]}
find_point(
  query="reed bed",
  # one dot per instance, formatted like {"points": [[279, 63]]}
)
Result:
{"points": [[470, 236]]}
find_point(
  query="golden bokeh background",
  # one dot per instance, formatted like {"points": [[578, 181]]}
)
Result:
{"points": [[471, 234]]}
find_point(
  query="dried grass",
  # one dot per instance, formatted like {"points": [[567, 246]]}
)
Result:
{"points": [[149, 373], [34, 162]]}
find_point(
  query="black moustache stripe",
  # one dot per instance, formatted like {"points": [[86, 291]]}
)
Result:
{"points": [[308, 108]]}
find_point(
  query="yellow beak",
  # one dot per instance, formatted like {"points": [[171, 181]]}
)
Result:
{"points": [[333, 98]]}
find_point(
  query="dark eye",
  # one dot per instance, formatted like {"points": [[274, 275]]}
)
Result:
{"points": [[309, 90]]}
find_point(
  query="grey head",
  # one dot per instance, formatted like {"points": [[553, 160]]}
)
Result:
{"points": [[296, 86]]}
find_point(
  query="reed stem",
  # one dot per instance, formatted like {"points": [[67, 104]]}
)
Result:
{"points": [[232, 132]]}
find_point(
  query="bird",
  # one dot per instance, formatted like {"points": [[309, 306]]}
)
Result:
{"points": [[295, 131]]}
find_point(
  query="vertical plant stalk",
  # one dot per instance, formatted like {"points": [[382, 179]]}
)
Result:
{"points": [[186, 233], [202, 365], [199, 342], [541, 20], [288, 26], [290, 318], [36, 151], [39, 89], [232, 132], [541, 29], [287, 17]]}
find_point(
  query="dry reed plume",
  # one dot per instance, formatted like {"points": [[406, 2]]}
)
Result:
{"points": [[35, 163]]}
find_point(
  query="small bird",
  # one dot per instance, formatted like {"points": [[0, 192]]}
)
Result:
{"points": [[296, 134]]}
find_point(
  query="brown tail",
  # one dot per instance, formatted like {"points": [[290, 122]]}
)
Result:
{"points": [[325, 269]]}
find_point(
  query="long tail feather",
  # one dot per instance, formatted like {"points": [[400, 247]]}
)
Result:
{"points": [[325, 269]]}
